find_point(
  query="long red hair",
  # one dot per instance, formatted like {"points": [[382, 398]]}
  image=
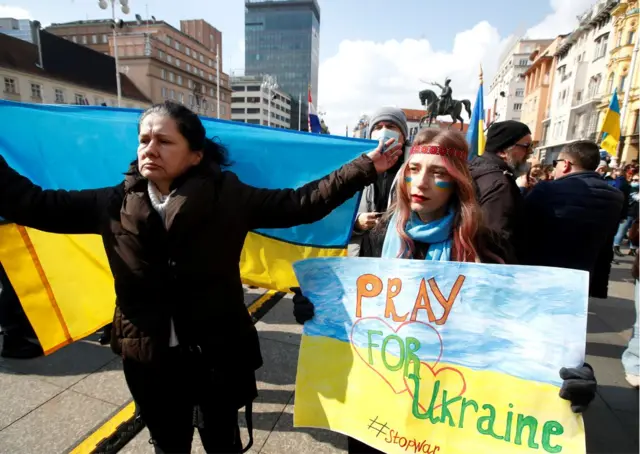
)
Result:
{"points": [[468, 223]]}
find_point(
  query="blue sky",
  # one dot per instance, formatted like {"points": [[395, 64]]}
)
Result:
{"points": [[399, 42]]}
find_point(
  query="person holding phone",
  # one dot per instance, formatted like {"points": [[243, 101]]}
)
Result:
{"points": [[386, 123]]}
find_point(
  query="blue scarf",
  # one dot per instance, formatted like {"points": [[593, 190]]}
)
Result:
{"points": [[437, 234]]}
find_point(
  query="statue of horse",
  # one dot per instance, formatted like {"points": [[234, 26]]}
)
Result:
{"points": [[431, 102]]}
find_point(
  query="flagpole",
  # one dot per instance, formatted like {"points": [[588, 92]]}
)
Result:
{"points": [[627, 93]]}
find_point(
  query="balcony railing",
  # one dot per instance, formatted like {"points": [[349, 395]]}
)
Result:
{"points": [[586, 98]]}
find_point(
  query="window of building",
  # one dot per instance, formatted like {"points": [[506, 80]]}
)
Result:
{"points": [[610, 82], [171, 76], [168, 40], [212, 91], [169, 59], [59, 94], [10, 85], [524, 62], [79, 99], [253, 88], [210, 63], [84, 39], [223, 110], [105, 39], [237, 110], [253, 111], [517, 106], [163, 74], [178, 63], [190, 83], [520, 92], [192, 100], [195, 55], [36, 91], [237, 87], [601, 46], [265, 123], [164, 92], [623, 79], [177, 45], [630, 37], [74, 39], [254, 121], [179, 80], [210, 76], [637, 123], [94, 39], [188, 67], [181, 98], [201, 58], [161, 55], [187, 51], [172, 94]]}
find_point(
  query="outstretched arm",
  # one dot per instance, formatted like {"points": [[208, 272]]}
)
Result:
{"points": [[281, 208], [56, 211]]}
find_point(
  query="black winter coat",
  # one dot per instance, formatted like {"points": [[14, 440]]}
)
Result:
{"points": [[187, 269], [570, 223], [500, 199]]}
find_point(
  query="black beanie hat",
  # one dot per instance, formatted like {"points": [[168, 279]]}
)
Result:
{"points": [[505, 134]]}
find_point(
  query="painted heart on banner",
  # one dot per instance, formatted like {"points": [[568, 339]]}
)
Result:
{"points": [[395, 379], [451, 379]]}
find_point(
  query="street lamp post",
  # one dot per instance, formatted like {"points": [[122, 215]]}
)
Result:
{"points": [[124, 4], [270, 83]]}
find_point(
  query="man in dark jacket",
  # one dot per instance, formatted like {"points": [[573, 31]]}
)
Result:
{"points": [[570, 222], [494, 174]]}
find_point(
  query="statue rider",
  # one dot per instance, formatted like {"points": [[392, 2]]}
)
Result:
{"points": [[445, 96]]}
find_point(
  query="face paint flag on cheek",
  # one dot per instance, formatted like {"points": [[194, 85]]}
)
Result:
{"points": [[444, 185]]}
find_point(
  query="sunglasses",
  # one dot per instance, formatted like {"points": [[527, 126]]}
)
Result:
{"points": [[556, 161]]}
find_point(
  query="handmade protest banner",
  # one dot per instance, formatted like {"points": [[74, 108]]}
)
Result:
{"points": [[64, 282], [422, 356]]}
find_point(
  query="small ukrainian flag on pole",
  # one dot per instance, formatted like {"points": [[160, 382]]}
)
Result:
{"points": [[611, 126], [475, 133]]}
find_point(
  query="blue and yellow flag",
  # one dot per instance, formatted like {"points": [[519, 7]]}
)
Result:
{"points": [[611, 126], [64, 281], [475, 133]]}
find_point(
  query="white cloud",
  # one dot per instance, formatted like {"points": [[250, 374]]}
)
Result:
{"points": [[562, 20], [365, 75], [14, 12]]}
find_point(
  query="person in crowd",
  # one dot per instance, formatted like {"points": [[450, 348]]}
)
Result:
{"points": [[386, 123], [436, 217], [602, 168], [526, 182], [631, 215], [173, 232], [631, 355], [504, 159], [19, 339], [578, 212]]}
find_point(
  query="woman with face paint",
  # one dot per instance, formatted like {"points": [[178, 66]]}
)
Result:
{"points": [[386, 123], [436, 217]]}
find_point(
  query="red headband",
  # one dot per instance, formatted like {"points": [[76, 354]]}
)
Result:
{"points": [[437, 150]]}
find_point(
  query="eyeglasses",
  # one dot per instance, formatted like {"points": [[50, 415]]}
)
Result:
{"points": [[556, 161], [526, 146]]}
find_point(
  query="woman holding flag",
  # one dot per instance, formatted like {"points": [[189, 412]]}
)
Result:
{"points": [[436, 217], [173, 232]]}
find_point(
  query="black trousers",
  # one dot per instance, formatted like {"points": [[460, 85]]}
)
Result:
{"points": [[13, 320], [357, 447], [179, 394]]}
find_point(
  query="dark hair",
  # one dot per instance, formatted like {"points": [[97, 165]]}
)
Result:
{"points": [[192, 130], [584, 154]]}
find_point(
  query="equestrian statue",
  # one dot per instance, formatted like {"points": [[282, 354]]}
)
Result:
{"points": [[443, 105]]}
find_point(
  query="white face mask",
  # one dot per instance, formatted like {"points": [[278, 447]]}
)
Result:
{"points": [[385, 134]]}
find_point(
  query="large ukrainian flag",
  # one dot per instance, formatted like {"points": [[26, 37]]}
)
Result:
{"points": [[64, 282], [475, 133]]}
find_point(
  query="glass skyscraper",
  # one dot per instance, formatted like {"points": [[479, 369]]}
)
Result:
{"points": [[282, 39]]}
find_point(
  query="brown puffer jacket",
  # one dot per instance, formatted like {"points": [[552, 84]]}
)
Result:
{"points": [[187, 269]]}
